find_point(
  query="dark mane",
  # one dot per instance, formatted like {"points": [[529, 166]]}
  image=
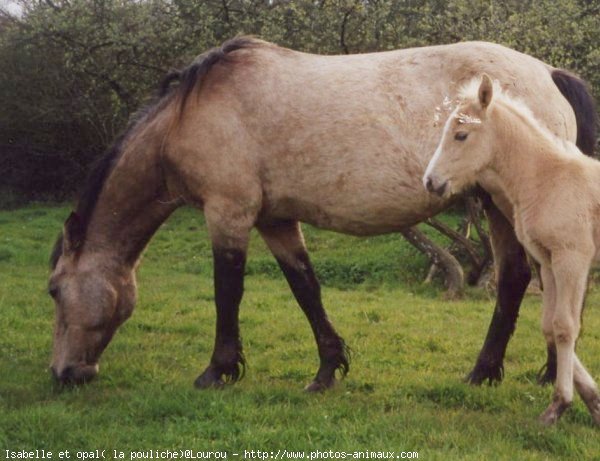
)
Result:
{"points": [[188, 80], [192, 75], [103, 166], [91, 190]]}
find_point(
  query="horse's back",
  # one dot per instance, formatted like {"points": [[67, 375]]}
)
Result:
{"points": [[342, 141]]}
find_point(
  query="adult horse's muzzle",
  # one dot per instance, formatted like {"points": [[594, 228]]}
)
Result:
{"points": [[434, 185], [74, 375]]}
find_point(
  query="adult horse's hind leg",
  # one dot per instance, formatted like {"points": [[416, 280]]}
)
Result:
{"points": [[229, 226], [287, 245], [513, 275]]}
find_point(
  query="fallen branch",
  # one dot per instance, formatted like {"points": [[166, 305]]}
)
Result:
{"points": [[440, 257]]}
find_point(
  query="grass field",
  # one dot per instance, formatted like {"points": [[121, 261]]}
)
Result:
{"points": [[404, 392]]}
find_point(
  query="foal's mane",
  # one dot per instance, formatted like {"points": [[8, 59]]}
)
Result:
{"points": [[188, 79], [470, 92]]}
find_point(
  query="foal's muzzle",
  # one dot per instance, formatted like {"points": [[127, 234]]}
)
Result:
{"points": [[434, 186]]}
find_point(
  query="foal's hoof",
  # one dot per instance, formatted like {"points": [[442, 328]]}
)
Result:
{"points": [[595, 412], [593, 405], [319, 386], [553, 413], [210, 379]]}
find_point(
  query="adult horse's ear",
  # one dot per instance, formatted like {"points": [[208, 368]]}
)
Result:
{"points": [[73, 232], [486, 91]]}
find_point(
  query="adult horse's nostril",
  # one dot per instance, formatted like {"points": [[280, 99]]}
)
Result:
{"points": [[67, 375], [75, 375]]}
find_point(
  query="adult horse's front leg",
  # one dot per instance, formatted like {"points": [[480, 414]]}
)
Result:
{"points": [[513, 276], [230, 241], [287, 245], [227, 362]]}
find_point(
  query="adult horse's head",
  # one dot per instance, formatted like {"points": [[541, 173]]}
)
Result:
{"points": [[121, 205], [465, 147], [93, 296]]}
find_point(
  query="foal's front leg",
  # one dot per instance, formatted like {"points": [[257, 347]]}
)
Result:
{"points": [[548, 309], [570, 272]]}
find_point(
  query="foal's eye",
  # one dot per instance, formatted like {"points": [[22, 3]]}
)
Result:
{"points": [[461, 135]]}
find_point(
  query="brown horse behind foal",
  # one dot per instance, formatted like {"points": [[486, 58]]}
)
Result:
{"points": [[260, 136], [554, 191]]}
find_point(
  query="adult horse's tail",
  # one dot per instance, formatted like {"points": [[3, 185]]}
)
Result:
{"points": [[577, 92]]}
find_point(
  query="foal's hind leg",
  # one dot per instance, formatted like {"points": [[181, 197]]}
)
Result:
{"points": [[229, 226], [587, 389], [513, 275], [287, 245]]}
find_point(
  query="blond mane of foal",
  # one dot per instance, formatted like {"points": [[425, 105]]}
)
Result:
{"points": [[469, 92]]}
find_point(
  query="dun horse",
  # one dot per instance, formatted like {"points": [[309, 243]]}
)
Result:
{"points": [[554, 191], [255, 135]]}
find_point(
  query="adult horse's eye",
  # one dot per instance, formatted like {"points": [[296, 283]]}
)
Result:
{"points": [[461, 135]]}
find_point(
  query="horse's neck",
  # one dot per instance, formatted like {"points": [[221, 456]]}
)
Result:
{"points": [[134, 202], [524, 159]]}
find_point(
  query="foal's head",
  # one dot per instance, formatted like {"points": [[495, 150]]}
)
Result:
{"points": [[93, 296], [465, 147]]}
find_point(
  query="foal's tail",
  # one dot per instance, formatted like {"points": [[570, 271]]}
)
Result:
{"points": [[577, 92]]}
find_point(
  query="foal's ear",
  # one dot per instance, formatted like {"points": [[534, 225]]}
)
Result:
{"points": [[486, 91], [73, 232]]}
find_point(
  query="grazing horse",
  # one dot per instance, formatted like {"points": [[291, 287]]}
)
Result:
{"points": [[255, 135], [554, 191]]}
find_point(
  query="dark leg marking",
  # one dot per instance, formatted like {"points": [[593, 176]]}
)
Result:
{"points": [[547, 374], [333, 352], [514, 275], [227, 364], [513, 279]]}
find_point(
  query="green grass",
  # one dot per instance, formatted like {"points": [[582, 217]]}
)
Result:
{"points": [[405, 392]]}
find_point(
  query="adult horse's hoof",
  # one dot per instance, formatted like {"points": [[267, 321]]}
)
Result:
{"points": [[338, 361], [493, 374], [319, 386], [216, 376], [209, 379], [553, 413]]}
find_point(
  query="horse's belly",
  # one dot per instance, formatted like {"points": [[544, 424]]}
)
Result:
{"points": [[358, 214]]}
